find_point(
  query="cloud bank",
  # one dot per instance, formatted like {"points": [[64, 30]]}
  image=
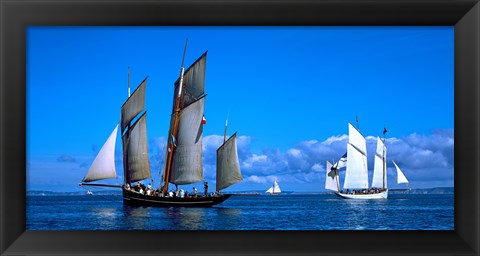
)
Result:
{"points": [[426, 160]]}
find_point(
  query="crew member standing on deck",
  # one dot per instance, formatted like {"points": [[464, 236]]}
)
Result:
{"points": [[205, 186]]}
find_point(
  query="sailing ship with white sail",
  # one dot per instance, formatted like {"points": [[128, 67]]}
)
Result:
{"points": [[274, 190], [356, 175], [183, 160]]}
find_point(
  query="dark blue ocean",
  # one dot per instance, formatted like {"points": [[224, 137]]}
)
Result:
{"points": [[264, 212]]}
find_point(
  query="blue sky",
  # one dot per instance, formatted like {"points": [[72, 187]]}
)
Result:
{"points": [[288, 91]]}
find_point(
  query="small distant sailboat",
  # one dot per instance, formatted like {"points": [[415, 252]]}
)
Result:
{"points": [[274, 190], [356, 175], [89, 192]]}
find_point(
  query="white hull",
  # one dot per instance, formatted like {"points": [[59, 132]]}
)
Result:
{"points": [[381, 195]]}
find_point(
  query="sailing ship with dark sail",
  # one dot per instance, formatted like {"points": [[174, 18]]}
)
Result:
{"points": [[356, 175], [183, 161]]}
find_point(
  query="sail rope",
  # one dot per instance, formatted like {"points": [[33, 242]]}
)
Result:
{"points": [[160, 166]]}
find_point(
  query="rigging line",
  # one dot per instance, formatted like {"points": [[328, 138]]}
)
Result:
{"points": [[356, 148], [159, 165]]}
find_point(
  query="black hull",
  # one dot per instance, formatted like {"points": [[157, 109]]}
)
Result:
{"points": [[134, 198]]}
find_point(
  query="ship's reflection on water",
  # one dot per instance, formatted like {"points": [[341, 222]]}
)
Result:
{"points": [[137, 217], [174, 218], [185, 218]]}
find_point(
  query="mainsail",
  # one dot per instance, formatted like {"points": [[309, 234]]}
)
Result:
{"points": [[331, 177], [228, 166], [275, 189], [186, 135], [136, 162], [187, 158], [400, 176], [380, 166], [357, 171], [103, 167]]}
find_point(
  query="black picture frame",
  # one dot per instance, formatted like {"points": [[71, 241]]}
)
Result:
{"points": [[15, 16]]}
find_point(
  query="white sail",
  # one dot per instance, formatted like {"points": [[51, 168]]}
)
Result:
{"points": [[103, 167], [380, 165], [400, 176], [275, 189], [228, 166], [187, 159], [331, 177], [356, 175], [356, 139]]}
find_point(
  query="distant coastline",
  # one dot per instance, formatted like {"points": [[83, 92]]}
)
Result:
{"points": [[438, 190]]}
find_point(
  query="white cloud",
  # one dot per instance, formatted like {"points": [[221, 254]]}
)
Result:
{"points": [[421, 157], [294, 152], [256, 179], [333, 139], [425, 159]]}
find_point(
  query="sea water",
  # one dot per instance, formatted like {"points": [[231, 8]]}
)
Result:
{"points": [[263, 212]]}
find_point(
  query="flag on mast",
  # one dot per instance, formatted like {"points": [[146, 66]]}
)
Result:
{"points": [[204, 120]]}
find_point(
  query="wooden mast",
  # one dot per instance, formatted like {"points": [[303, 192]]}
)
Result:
{"points": [[125, 155], [175, 122]]}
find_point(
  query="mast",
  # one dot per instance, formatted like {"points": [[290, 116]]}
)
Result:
{"points": [[175, 122], [125, 161], [384, 160], [225, 131], [128, 81], [358, 125]]}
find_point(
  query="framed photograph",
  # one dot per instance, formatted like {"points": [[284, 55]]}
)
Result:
{"points": [[327, 122]]}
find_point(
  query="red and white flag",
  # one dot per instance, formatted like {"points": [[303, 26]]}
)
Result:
{"points": [[204, 120]]}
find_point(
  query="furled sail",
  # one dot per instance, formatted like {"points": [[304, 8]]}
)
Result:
{"points": [[400, 176], [103, 167], [134, 105], [193, 83], [356, 175], [380, 165], [331, 177], [187, 158], [228, 166], [136, 151], [275, 189]]}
